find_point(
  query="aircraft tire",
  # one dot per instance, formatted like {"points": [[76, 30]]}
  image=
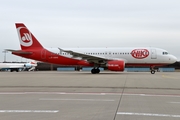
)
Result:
{"points": [[95, 71], [153, 71]]}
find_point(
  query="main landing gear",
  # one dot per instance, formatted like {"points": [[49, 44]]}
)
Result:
{"points": [[95, 71], [14, 69]]}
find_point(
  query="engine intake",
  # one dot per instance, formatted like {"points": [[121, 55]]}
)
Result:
{"points": [[27, 65]]}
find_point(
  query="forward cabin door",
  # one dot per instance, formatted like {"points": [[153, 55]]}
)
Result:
{"points": [[153, 54]]}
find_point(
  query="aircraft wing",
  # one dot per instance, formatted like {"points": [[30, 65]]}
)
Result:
{"points": [[89, 58]]}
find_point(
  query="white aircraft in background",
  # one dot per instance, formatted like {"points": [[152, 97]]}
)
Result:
{"points": [[19, 66], [114, 59]]}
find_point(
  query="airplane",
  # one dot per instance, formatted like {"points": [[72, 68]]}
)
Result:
{"points": [[114, 59], [30, 66]]}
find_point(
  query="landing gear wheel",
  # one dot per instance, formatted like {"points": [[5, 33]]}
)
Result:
{"points": [[95, 71], [17, 70], [153, 71]]}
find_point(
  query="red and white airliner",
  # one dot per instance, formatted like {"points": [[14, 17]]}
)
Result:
{"points": [[114, 59]]}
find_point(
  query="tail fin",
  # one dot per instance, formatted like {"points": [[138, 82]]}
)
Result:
{"points": [[26, 38]]}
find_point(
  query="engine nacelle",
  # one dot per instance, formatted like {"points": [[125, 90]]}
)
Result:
{"points": [[27, 65], [116, 65]]}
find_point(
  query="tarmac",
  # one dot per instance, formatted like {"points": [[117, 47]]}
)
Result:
{"points": [[56, 95]]}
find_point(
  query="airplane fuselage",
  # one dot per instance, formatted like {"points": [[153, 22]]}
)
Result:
{"points": [[114, 59], [132, 56]]}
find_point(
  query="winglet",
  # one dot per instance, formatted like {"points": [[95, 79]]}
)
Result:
{"points": [[68, 51]]}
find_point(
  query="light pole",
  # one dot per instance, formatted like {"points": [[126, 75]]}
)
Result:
{"points": [[5, 55]]}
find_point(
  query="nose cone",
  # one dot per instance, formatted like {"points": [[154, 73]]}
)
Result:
{"points": [[173, 59]]}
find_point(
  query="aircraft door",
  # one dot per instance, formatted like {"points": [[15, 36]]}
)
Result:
{"points": [[153, 54], [43, 54]]}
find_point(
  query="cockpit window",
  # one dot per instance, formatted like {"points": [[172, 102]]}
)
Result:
{"points": [[165, 53]]}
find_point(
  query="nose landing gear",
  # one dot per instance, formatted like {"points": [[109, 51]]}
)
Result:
{"points": [[152, 70]]}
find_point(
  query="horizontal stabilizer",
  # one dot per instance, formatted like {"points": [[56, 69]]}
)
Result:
{"points": [[18, 51]]}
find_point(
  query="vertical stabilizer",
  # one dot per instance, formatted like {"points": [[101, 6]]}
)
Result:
{"points": [[26, 38]]}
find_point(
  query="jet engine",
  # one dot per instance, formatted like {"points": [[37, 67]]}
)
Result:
{"points": [[116, 65], [28, 65]]}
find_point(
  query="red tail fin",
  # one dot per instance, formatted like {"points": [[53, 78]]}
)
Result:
{"points": [[26, 38]]}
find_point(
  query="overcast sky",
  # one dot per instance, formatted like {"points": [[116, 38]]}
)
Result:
{"points": [[92, 23]]}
